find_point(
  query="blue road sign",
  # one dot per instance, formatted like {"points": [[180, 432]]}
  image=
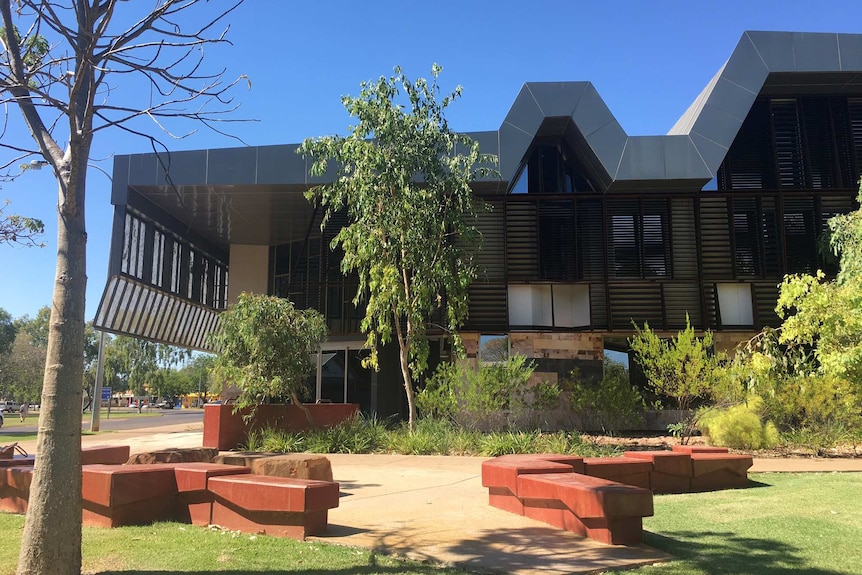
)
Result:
{"points": [[106, 394]]}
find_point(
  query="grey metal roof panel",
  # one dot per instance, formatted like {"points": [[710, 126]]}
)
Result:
{"points": [[850, 51], [710, 123], [557, 98]]}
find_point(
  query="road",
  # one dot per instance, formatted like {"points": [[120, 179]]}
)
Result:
{"points": [[117, 420]]}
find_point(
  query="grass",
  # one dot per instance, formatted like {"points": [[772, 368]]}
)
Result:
{"points": [[788, 523], [791, 523], [178, 548]]}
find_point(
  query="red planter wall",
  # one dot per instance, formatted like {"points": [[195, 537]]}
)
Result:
{"points": [[225, 430]]}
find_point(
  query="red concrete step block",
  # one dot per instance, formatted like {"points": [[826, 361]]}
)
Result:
{"points": [[713, 471], [105, 454], [698, 449], [117, 495], [500, 475], [671, 471], [603, 510], [195, 501], [624, 470], [15, 488], [278, 506]]}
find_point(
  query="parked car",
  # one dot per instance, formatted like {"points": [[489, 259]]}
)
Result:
{"points": [[10, 406], [1, 418], [165, 405]]}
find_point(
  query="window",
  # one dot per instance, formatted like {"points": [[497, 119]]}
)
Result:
{"points": [[493, 348], [639, 242], [550, 169], [734, 304], [549, 305]]}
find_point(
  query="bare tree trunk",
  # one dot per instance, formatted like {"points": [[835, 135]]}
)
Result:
{"points": [[408, 384], [308, 417], [51, 542]]}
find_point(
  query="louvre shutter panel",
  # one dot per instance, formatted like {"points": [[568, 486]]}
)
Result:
{"points": [[521, 241], [623, 252], [749, 164], [656, 243], [819, 143], [800, 235], [683, 238], [591, 239], [557, 254], [788, 143], [487, 307], [491, 258], [715, 238], [854, 111]]}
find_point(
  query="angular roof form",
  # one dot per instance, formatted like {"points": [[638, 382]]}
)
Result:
{"points": [[242, 195]]}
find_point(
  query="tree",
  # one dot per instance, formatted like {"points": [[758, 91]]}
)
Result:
{"points": [[827, 315], [15, 229], [7, 331], [683, 368], [58, 65], [404, 181], [265, 346]]}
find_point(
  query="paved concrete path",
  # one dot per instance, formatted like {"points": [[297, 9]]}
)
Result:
{"points": [[435, 508]]}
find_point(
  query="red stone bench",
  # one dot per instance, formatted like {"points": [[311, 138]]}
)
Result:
{"points": [[713, 471], [279, 506], [500, 475], [194, 499], [15, 488], [671, 471], [117, 495], [597, 508], [698, 449], [625, 470], [105, 454]]}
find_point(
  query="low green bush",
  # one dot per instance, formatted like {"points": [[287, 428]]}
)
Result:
{"points": [[609, 405], [738, 427], [490, 396]]}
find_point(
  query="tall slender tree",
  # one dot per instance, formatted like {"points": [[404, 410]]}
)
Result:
{"points": [[60, 64], [404, 180]]}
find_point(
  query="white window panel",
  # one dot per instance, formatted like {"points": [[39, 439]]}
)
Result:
{"points": [[571, 305], [734, 304]]}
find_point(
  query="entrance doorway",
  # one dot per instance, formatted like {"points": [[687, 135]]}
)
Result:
{"points": [[341, 378]]}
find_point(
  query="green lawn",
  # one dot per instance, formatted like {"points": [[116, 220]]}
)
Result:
{"points": [[178, 548], [791, 523]]}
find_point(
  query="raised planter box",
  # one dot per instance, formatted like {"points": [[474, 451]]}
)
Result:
{"points": [[225, 430]]}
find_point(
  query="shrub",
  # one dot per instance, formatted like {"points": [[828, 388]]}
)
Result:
{"points": [[608, 405], [738, 427], [492, 396]]}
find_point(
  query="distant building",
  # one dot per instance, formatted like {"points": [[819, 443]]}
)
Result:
{"points": [[590, 230]]}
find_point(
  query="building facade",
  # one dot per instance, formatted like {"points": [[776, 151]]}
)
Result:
{"points": [[590, 229]]}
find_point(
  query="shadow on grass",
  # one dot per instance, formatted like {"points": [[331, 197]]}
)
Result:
{"points": [[716, 552], [371, 569]]}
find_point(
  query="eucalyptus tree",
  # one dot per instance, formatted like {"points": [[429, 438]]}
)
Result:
{"points": [[62, 63], [404, 181]]}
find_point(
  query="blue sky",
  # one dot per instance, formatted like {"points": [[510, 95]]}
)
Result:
{"points": [[647, 59]]}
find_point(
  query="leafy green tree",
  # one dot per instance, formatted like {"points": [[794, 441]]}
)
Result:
{"points": [[827, 315], [15, 229], [265, 346], [23, 369], [36, 328], [61, 65], [7, 331], [404, 181], [200, 372], [683, 368]]}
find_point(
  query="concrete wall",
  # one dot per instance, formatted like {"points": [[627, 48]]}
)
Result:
{"points": [[249, 270]]}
